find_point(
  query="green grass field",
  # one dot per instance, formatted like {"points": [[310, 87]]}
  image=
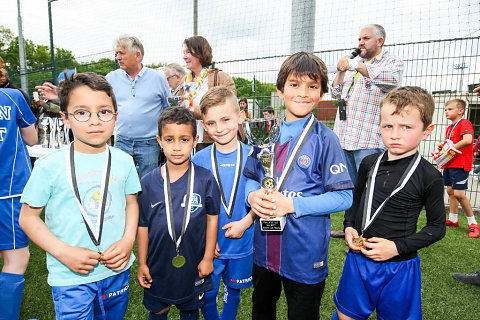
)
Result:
{"points": [[443, 297]]}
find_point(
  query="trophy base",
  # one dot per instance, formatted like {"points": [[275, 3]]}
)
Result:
{"points": [[273, 224]]}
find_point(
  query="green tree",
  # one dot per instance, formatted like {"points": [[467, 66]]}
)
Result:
{"points": [[262, 93]]}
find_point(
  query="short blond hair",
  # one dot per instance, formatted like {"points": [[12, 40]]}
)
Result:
{"points": [[218, 95], [460, 103]]}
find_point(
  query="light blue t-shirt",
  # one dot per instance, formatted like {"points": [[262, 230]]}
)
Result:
{"points": [[48, 187], [139, 101]]}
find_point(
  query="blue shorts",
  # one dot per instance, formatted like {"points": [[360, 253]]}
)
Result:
{"points": [[457, 178], [190, 305], [236, 273], [392, 288], [11, 235], [104, 299]]}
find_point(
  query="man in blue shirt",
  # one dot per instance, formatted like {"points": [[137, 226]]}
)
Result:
{"points": [[141, 95]]}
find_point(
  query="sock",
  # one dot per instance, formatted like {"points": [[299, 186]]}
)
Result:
{"points": [[471, 220], [335, 315], [210, 309], [453, 217], [11, 292], [189, 315], [154, 316], [231, 300]]}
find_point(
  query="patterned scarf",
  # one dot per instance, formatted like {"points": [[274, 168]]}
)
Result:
{"points": [[191, 86]]}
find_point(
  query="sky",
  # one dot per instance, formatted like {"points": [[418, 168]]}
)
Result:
{"points": [[239, 29]]}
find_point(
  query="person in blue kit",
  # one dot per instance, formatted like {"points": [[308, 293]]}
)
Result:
{"points": [[178, 223], [225, 158], [382, 269], [17, 128], [312, 183], [88, 191]]}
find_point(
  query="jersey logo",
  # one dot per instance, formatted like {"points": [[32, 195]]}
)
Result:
{"points": [[304, 161], [153, 205], [338, 168], [196, 202], [200, 297]]}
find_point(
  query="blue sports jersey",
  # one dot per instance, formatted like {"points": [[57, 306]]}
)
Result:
{"points": [[303, 244], [229, 248], [16, 166], [176, 285]]}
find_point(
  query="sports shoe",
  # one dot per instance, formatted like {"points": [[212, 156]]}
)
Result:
{"points": [[468, 278], [452, 224], [473, 230]]}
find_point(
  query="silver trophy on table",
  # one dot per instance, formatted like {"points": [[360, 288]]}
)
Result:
{"points": [[264, 133]]}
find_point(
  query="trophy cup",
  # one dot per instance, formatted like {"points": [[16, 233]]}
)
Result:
{"points": [[263, 133]]}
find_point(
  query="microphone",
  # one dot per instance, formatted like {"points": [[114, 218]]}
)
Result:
{"points": [[355, 53], [333, 68]]}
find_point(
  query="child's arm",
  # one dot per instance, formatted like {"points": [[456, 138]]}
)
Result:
{"points": [[117, 255], [143, 274], [236, 229], [79, 260], [467, 139], [206, 265], [29, 135]]}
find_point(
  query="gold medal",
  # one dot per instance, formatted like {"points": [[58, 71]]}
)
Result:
{"points": [[359, 242], [178, 261]]}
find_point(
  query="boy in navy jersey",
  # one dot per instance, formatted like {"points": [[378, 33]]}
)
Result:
{"points": [[312, 182], [178, 223], [382, 269], [226, 159]]}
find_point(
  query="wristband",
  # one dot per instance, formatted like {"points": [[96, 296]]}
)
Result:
{"points": [[353, 64]]}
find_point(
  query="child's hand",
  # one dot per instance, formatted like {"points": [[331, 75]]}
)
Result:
{"points": [[217, 251], [379, 249], [350, 234], [117, 255], [235, 229], [284, 205], [48, 91], [79, 260], [205, 268], [143, 276], [262, 204], [439, 147]]}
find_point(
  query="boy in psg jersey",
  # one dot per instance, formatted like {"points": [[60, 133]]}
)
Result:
{"points": [[382, 269], [178, 223], [88, 191], [225, 159], [312, 182]]}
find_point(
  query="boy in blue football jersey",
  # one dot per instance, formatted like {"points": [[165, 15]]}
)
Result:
{"points": [[17, 129], [382, 269], [225, 159], [88, 191], [312, 182], [178, 223]]}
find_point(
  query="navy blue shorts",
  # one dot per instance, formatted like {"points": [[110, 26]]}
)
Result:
{"points": [[393, 289], [11, 235], [236, 273], [457, 178], [104, 299]]}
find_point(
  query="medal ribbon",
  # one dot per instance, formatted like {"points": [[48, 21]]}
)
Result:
{"points": [[95, 233], [293, 156], [453, 128], [233, 193], [168, 205], [367, 207]]}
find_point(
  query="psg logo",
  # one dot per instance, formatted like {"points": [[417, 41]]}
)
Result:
{"points": [[304, 161]]}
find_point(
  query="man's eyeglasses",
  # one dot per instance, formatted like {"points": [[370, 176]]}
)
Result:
{"points": [[82, 115]]}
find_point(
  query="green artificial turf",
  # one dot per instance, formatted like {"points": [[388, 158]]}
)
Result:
{"points": [[442, 297]]}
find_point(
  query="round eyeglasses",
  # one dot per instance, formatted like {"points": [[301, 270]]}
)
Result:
{"points": [[82, 115]]}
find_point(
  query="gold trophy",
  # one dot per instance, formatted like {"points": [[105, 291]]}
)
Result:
{"points": [[264, 133]]}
